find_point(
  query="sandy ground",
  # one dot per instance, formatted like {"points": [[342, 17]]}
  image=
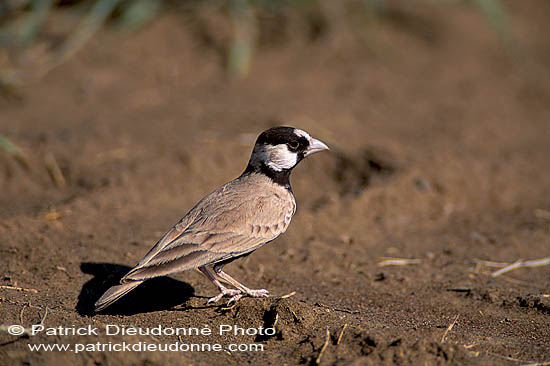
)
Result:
{"points": [[440, 140]]}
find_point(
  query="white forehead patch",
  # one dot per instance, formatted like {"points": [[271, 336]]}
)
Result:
{"points": [[276, 157], [301, 133]]}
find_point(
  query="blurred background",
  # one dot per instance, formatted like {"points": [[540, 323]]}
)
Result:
{"points": [[117, 116], [118, 73]]}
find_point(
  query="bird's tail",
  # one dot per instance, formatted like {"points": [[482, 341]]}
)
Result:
{"points": [[115, 293]]}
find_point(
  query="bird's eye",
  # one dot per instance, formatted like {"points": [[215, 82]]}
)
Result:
{"points": [[293, 145]]}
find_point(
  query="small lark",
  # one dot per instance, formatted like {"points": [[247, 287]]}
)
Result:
{"points": [[231, 222]]}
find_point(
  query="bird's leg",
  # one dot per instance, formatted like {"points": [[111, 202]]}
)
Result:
{"points": [[224, 291], [244, 290]]}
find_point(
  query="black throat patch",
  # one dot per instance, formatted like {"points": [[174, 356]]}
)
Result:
{"points": [[281, 177]]}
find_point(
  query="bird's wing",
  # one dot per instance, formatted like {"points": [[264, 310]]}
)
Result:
{"points": [[169, 237], [229, 222]]}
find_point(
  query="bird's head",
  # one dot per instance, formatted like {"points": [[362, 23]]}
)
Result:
{"points": [[279, 149]]}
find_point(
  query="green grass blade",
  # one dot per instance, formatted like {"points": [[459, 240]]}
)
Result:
{"points": [[496, 16], [13, 150]]}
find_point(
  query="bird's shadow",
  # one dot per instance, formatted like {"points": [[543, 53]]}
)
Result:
{"points": [[160, 293]]}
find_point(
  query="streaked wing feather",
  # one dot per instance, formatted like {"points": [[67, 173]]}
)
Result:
{"points": [[170, 237], [189, 261]]}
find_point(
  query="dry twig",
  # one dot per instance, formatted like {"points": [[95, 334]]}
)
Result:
{"points": [[27, 331], [54, 170], [341, 334], [507, 267], [398, 262], [449, 328], [491, 263], [542, 214], [318, 360], [288, 295], [520, 263], [8, 287]]}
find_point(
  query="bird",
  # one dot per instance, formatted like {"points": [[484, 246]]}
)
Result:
{"points": [[230, 222]]}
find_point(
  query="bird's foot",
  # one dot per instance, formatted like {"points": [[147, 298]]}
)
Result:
{"points": [[225, 292], [236, 295], [248, 292]]}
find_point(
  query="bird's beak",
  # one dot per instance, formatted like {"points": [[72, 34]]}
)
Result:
{"points": [[316, 146]]}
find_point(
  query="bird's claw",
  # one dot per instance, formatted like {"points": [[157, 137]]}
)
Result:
{"points": [[234, 299], [258, 293]]}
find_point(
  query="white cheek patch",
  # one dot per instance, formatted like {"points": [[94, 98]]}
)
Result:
{"points": [[277, 157]]}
